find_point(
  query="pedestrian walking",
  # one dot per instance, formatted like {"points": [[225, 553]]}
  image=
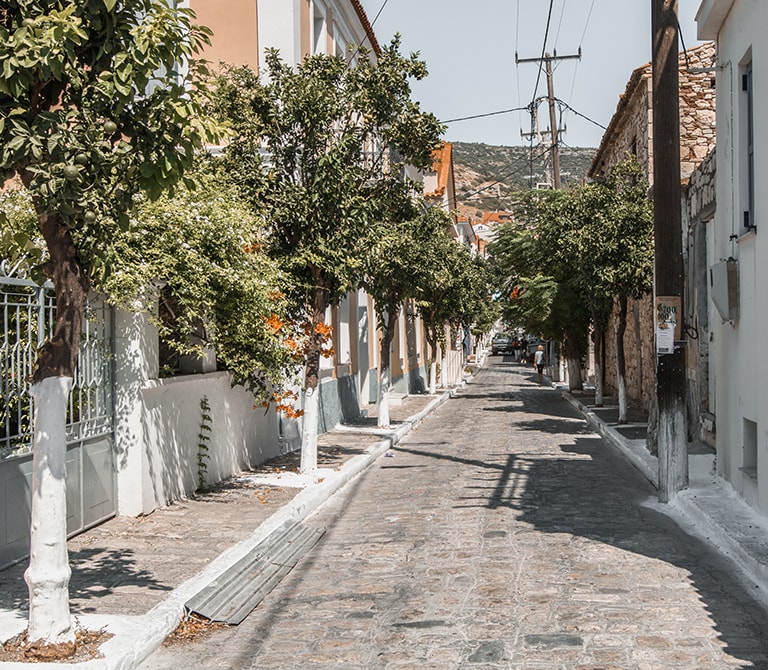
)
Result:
{"points": [[538, 362]]}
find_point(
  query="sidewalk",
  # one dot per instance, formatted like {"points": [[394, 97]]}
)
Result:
{"points": [[709, 509], [133, 575]]}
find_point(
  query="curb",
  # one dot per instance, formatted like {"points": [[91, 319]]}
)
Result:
{"points": [[136, 638], [636, 454], [711, 511]]}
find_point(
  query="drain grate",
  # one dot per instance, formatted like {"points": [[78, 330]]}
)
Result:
{"points": [[234, 594]]}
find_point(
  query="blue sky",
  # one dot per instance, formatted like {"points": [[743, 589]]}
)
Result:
{"points": [[470, 46]]}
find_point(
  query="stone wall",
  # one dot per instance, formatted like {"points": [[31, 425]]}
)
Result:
{"points": [[631, 130], [701, 189], [700, 200], [697, 108], [639, 355]]}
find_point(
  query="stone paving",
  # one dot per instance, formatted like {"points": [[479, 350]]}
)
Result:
{"points": [[503, 533], [128, 565]]}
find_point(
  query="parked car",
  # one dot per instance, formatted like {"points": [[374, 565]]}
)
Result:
{"points": [[501, 343]]}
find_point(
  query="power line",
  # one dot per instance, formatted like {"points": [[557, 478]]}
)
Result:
{"points": [[481, 116], [543, 50], [581, 43], [583, 116], [559, 25], [378, 14]]}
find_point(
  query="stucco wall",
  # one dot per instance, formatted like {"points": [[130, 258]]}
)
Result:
{"points": [[739, 367]]}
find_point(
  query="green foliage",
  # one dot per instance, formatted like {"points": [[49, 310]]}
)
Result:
{"points": [[206, 246], [20, 244], [318, 149], [392, 266], [93, 108], [568, 254], [452, 286]]}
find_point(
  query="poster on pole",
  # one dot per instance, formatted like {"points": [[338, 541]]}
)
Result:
{"points": [[668, 324]]}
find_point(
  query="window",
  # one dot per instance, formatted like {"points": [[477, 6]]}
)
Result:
{"points": [[748, 144], [319, 35], [749, 458]]}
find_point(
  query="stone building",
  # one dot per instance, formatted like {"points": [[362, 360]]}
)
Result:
{"points": [[630, 131]]}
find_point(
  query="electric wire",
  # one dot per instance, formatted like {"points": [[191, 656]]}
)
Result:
{"points": [[482, 116], [559, 25], [581, 42], [375, 18], [583, 116], [517, 65], [543, 51], [682, 43]]}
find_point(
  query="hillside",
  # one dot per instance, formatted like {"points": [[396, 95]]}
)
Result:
{"points": [[487, 174]]}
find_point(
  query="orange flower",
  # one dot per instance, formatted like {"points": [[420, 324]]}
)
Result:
{"points": [[274, 323], [323, 328]]}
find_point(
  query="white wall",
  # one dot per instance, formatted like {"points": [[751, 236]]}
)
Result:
{"points": [[739, 363], [158, 422]]}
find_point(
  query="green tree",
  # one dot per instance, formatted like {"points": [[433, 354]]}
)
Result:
{"points": [[221, 290], [570, 255], [92, 109], [613, 246], [318, 150], [392, 272], [451, 286], [540, 290]]}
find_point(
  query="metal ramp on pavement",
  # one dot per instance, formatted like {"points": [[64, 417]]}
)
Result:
{"points": [[234, 594]]}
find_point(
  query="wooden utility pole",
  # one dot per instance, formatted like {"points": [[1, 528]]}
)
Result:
{"points": [[667, 228], [554, 130], [553, 124]]}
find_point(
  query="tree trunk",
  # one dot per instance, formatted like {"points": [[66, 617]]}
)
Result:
{"points": [[431, 336], [621, 362], [598, 350], [48, 574], [433, 374], [312, 380], [385, 376], [573, 361]]}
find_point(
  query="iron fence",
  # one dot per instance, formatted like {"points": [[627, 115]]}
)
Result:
{"points": [[28, 313]]}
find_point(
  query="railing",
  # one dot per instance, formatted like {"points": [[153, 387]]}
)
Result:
{"points": [[27, 313]]}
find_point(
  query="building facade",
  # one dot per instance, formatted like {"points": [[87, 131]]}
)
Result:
{"points": [[736, 245], [630, 131]]}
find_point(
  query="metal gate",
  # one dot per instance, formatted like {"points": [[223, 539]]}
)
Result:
{"points": [[27, 313]]}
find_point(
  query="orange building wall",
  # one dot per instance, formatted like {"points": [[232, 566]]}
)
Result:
{"points": [[235, 30]]}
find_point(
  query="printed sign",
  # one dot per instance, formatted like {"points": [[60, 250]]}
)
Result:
{"points": [[668, 323]]}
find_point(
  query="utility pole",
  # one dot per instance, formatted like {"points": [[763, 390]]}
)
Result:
{"points": [[667, 229], [553, 131]]}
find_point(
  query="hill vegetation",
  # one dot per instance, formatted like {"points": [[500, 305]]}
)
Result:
{"points": [[486, 175]]}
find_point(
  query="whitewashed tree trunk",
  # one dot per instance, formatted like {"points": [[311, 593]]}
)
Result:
{"points": [[673, 453], [383, 400], [598, 383], [48, 573], [623, 411], [309, 432], [574, 374], [433, 377]]}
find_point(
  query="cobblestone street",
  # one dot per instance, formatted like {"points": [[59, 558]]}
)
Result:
{"points": [[502, 533]]}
